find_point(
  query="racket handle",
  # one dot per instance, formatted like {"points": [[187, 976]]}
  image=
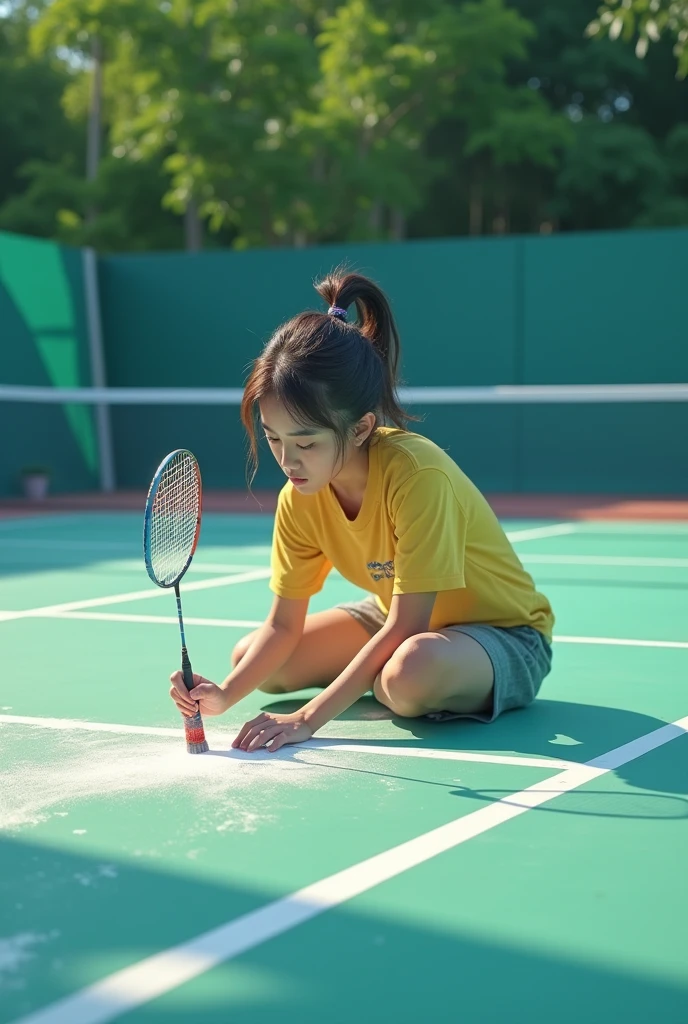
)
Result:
{"points": [[186, 670], [196, 742]]}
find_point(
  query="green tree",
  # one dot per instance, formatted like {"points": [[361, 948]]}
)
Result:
{"points": [[303, 122], [613, 175], [33, 126], [524, 139], [602, 87], [121, 207], [390, 76], [203, 89], [42, 160], [671, 209], [274, 123], [645, 21]]}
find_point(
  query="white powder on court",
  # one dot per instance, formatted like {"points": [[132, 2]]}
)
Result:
{"points": [[16, 951], [50, 775], [91, 878]]}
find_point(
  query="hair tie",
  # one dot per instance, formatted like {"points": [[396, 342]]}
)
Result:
{"points": [[338, 312]]}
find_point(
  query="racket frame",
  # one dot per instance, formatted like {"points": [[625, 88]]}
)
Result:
{"points": [[148, 516], [196, 742]]}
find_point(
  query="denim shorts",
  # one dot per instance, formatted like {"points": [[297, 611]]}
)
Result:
{"points": [[521, 658]]}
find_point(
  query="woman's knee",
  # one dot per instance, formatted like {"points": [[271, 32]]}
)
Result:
{"points": [[399, 684], [241, 647], [431, 672], [413, 659]]}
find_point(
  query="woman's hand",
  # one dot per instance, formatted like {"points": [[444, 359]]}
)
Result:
{"points": [[206, 697], [273, 732]]}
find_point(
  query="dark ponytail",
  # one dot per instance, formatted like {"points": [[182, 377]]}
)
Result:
{"points": [[329, 372], [374, 315]]}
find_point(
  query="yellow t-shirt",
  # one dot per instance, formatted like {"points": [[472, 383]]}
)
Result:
{"points": [[423, 526]]}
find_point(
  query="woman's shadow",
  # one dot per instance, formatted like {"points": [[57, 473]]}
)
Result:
{"points": [[564, 730]]}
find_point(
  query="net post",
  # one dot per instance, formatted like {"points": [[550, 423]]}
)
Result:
{"points": [[98, 377]]}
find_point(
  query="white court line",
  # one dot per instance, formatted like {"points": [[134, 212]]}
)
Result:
{"points": [[656, 528], [527, 558], [631, 561], [441, 755], [135, 595], [221, 567], [18, 521], [40, 543], [557, 530], [108, 566], [130, 547], [213, 568], [122, 564], [166, 620], [667, 563], [532, 533], [132, 564], [165, 971], [69, 724], [620, 641], [75, 724]]}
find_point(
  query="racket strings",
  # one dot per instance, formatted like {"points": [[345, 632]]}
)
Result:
{"points": [[174, 518]]}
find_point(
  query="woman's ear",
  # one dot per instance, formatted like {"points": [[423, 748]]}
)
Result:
{"points": [[364, 428]]}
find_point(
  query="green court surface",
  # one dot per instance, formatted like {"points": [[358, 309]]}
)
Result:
{"points": [[528, 871]]}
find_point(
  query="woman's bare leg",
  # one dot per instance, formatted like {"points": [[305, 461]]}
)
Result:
{"points": [[330, 641]]}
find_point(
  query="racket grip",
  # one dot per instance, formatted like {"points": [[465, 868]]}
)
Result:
{"points": [[186, 670], [196, 742]]}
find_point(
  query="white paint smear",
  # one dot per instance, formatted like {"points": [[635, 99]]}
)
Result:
{"points": [[40, 783], [15, 952]]}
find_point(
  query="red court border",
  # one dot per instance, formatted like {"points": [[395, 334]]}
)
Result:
{"points": [[512, 506]]}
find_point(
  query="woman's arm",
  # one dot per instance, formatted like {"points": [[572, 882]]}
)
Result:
{"points": [[272, 645], [409, 614]]}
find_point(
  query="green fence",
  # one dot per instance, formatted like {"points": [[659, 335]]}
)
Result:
{"points": [[602, 308], [200, 320], [43, 341], [595, 308]]}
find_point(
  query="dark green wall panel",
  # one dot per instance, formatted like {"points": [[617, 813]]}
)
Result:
{"points": [[607, 308], [144, 437], [199, 320], [624, 449], [592, 308], [174, 319]]}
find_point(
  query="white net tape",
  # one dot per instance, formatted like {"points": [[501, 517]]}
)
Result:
{"points": [[500, 394], [173, 518]]}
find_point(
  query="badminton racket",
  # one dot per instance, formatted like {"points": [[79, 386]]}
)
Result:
{"points": [[171, 525]]}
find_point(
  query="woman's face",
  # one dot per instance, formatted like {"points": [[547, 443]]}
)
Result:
{"points": [[307, 455]]}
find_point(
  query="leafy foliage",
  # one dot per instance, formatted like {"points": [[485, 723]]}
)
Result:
{"points": [[645, 21], [313, 121]]}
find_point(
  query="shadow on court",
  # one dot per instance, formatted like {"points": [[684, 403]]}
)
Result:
{"points": [[94, 542], [351, 963], [558, 729]]}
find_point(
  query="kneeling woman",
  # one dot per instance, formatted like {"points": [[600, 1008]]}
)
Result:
{"points": [[453, 625]]}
